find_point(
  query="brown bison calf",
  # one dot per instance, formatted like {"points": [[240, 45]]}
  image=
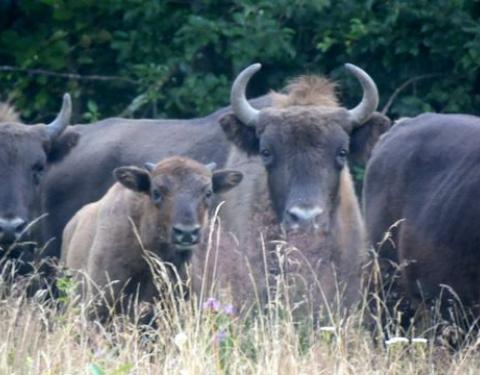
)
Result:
{"points": [[163, 209]]}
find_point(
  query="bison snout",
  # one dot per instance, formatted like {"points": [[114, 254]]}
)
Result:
{"points": [[11, 229], [186, 236], [300, 217]]}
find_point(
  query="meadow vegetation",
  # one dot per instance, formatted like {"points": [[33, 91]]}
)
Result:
{"points": [[45, 336]]}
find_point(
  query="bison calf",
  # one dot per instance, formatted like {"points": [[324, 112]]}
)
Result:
{"points": [[162, 208]]}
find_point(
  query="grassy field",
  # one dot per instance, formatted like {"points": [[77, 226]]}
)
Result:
{"points": [[39, 336]]}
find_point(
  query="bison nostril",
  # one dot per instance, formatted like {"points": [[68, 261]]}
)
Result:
{"points": [[186, 233], [177, 231], [292, 216], [300, 215]]}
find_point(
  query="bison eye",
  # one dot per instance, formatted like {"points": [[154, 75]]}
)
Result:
{"points": [[37, 170], [266, 155], [342, 157], [343, 153], [156, 196]]}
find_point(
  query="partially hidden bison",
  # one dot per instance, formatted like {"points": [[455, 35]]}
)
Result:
{"points": [[297, 187], [26, 153], [422, 212], [163, 209], [85, 175]]}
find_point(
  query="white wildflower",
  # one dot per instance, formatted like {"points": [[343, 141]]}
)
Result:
{"points": [[180, 340], [419, 340], [419, 345], [396, 341]]}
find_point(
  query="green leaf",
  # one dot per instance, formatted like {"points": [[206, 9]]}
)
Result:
{"points": [[124, 369], [95, 369]]}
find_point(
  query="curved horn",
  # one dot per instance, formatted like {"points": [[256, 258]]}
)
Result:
{"points": [[369, 103], [57, 126], [240, 105], [149, 166]]}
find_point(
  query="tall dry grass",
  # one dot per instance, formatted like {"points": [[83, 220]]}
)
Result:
{"points": [[41, 336]]}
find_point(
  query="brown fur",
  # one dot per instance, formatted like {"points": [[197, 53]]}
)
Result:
{"points": [[180, 167], [303, 134], [320, 272], [8, 113], [107, 239], [307, 90]]}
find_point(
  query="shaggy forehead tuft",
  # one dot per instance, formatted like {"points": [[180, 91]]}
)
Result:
{"points": [[310, 90], [8, 113]]}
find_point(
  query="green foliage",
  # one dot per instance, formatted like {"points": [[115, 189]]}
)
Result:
{"points": [[177, 58], [66, 286], [122, 370]]}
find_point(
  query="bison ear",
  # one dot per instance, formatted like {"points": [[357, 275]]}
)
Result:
{"points": [[225, 180], [59, 147], [363, 138], [242, 136], [133, 178]]}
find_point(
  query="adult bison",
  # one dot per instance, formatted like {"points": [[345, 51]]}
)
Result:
{"points": [[423, 176], [163, 209], [297, 186], [26, 152]]}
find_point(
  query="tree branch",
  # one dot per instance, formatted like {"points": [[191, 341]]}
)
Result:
{"points": [[49, 73], [403, 86]]}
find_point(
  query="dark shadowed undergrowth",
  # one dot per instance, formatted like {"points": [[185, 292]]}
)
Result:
{"points": [[40, 336]]}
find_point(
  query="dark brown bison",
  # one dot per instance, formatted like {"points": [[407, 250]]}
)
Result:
{"points": [[85, 175], [423, 177], [26, 152], [297, 186], [163, 210]]}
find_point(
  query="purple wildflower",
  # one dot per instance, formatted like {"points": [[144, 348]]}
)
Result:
{"points": [[221, 336], [211, 304], [229, 309]]}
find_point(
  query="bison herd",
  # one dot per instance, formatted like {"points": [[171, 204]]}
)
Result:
{"points": [[96, 198]]}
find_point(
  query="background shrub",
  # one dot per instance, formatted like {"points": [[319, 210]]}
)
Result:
{"points": [[138, 58]]}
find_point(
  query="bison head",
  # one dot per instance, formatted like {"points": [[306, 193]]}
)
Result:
{"points": [[25, 153], [303, 144], [180, 193]]}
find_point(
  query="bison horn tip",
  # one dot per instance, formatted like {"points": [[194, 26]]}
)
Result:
{"points": [[149, 166], [240, 105], [369, 103], [57, 126]]}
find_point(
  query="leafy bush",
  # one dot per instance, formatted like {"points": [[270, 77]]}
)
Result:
{"points": [[178, 58]]}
